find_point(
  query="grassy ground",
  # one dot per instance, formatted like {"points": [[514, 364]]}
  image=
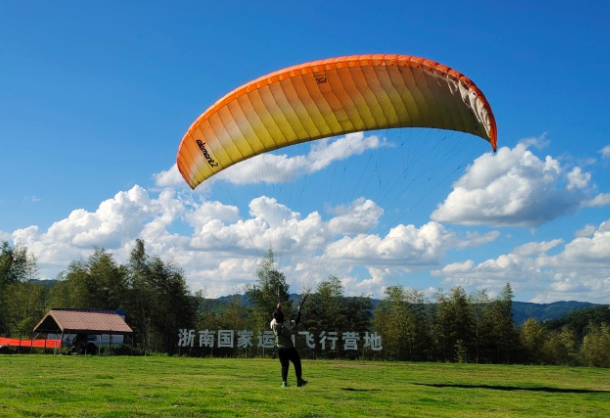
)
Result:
{"points": [[79, 386]]}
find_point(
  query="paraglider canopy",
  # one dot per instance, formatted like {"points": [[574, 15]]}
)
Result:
{"points": [[327, 98]]}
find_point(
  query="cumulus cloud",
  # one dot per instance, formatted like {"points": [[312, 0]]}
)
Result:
{"points": [[605, 152], [220, 244], [579, 271], [535, 248], [265, 168], [114, 219], [586, 231], [602, 199], [201, 213], [405, 245], [476, 239], [169, 178], [577, 179], [269, 225], [514, 188], [273, 225], [280, 167], [115, 223], [375, 284], [359, 216], [326, 151], [591, 251], [219, 247]]}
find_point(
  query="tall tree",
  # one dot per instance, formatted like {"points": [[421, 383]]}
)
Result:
{"points": [[532, 336], [560, 347], [418, 325], [271, 288], [453, 325], [503, 331], [27, 303], [16, 267], [97, 282], [402, 321], [174, 308], [140, 296], [325, 312], [387, 321], [110, 280], [60, 295], [14, 264], [481, 323], [358, 314], [595, 349]]}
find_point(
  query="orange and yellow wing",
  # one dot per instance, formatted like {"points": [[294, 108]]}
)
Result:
{"points": [[327, 98]]}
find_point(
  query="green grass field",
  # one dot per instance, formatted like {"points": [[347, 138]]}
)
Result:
{"points": [[78, 386]]}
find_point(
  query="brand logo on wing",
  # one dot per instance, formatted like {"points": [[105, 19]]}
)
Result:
{"points": [[206, 154]]}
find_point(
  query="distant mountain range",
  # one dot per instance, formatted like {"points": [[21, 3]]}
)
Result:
{"points": [[522, 311], [547, 311]]}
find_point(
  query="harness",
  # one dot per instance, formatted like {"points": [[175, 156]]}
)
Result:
{"points": [[283, 337]]}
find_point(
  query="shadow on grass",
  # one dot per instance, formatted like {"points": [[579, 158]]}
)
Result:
{"points": [[360, 390], [511, 388]]}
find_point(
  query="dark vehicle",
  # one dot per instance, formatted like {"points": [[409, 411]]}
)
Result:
{"points": [[82, 345]]}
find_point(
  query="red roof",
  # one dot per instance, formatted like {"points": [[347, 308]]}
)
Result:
{"points": [[89, 321]]}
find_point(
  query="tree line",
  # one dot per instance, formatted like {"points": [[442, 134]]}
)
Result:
{"points": [[453, 327], [152, 293]]}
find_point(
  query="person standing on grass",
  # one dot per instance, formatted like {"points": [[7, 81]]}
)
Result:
{"points": [[282, 329]]}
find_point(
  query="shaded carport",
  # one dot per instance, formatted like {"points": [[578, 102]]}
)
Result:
{"points": [[83, 321]]}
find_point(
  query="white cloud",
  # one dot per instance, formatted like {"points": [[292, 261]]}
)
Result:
{"points": [[375, 285], [325, 151], [280, 168], [591, 252], [359, 217], [475, 239], [458, 268], [577, 179], [579, 271], [404, 245], [52, 253], [535, 248], [271, 212], [586, 231], [114, 219], [513, 188], [219, 248], [605, 152], [265, 168], [602, 199], [219, 244], [169, 178], [404, 249], [115, 224], [204, 212]]}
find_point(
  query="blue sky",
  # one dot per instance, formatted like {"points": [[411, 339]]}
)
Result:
{"points": [[95, 98]]}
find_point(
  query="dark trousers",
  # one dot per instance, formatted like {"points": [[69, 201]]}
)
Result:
{"points": [[286, 356]]}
